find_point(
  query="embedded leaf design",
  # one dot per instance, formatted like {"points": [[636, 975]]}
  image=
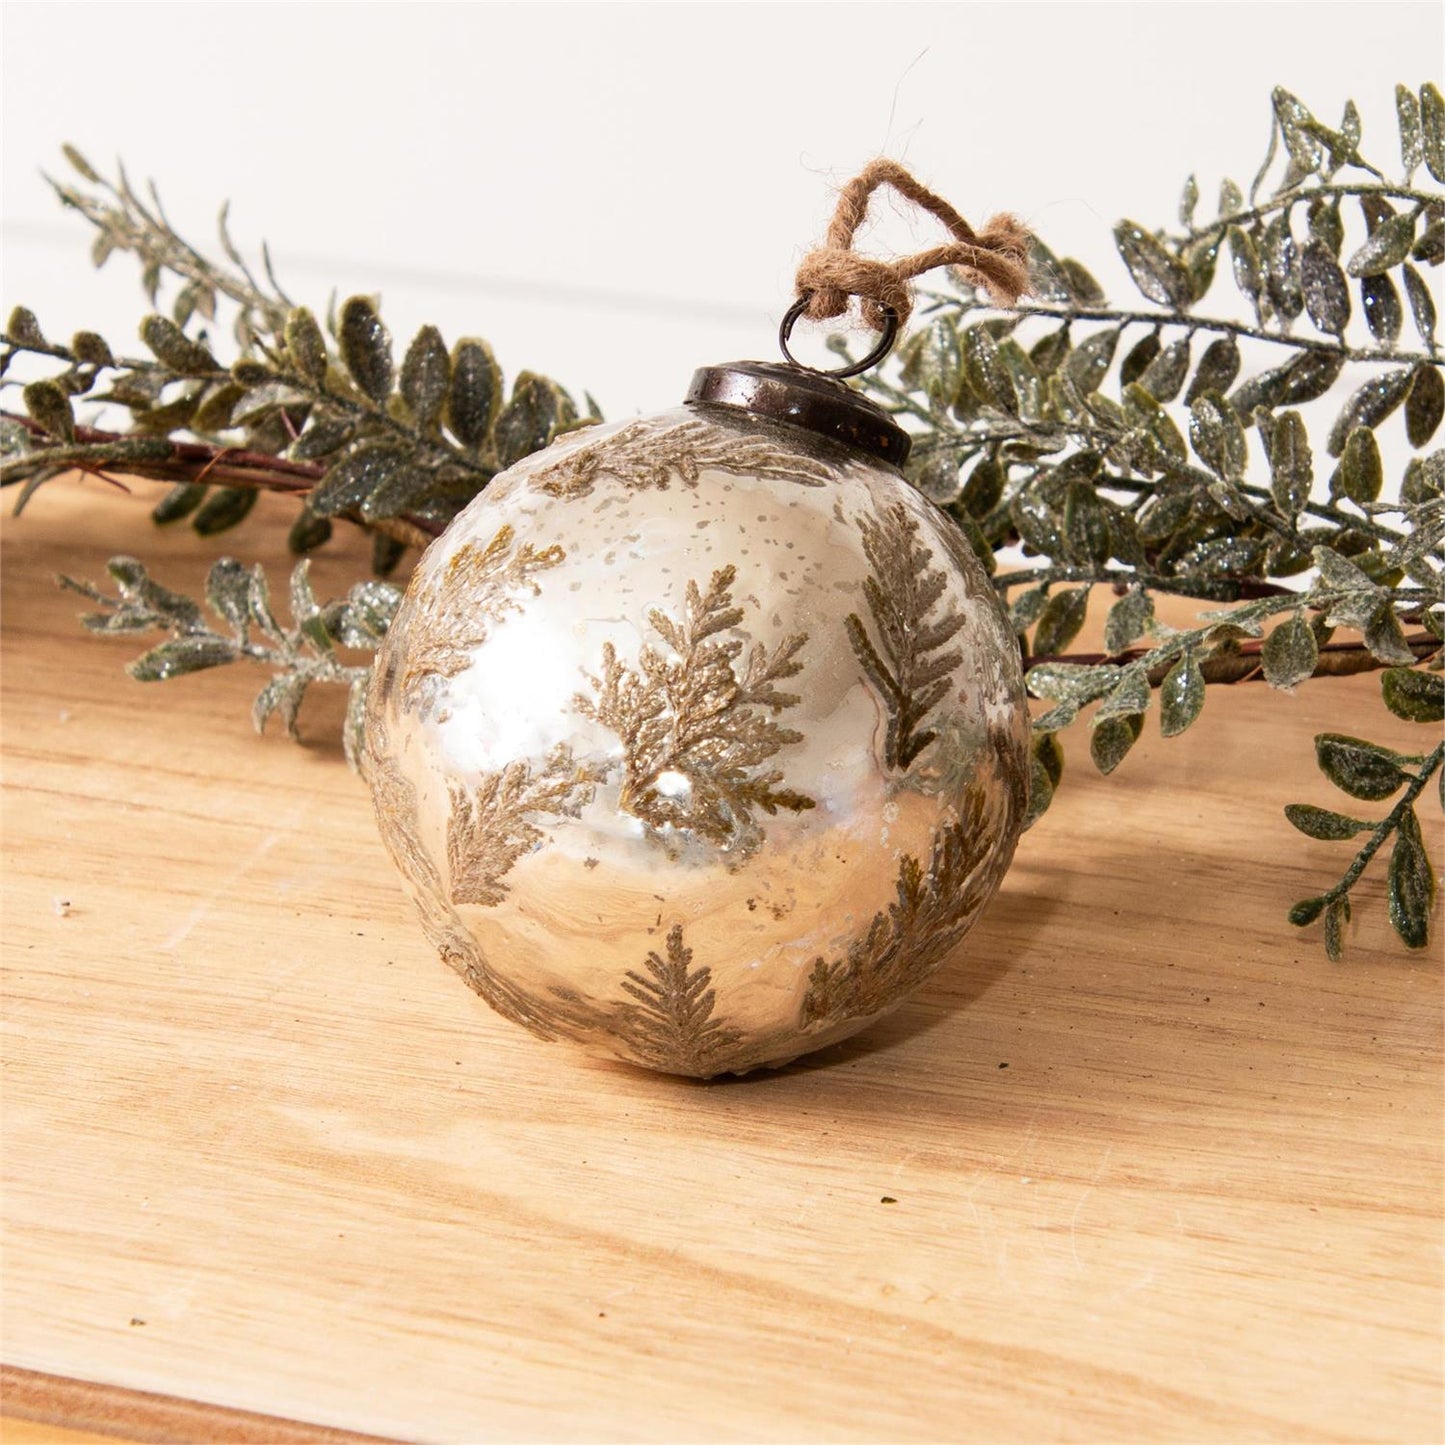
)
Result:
{"points": [[906, 657], [395, 801], [671, 1025], [493, 821], [697, 722], [935, 904], [478, 587], [642, 458]]}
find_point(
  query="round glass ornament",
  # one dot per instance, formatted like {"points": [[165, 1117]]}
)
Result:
{"points": [[702, 739]]}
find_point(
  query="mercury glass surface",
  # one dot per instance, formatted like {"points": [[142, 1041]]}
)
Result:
{"points": [[699, 740]]}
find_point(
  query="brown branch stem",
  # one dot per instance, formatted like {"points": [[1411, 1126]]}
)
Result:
{"points": [[1242, 664], [177, 461]]}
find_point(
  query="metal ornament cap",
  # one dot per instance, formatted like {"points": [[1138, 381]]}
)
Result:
{"points": [[811, 400]]}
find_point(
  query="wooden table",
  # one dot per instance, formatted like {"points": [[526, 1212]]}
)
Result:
{"points": [[1160, 1170]]}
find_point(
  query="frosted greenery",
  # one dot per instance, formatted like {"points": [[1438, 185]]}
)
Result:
{"points": [[1216, 438]]}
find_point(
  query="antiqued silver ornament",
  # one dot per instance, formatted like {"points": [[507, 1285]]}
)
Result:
{"points": [[701, 739]]}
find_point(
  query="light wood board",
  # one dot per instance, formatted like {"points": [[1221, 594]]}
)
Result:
{"points": [[1160, 1170]]}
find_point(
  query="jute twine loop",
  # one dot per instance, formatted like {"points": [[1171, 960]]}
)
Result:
{"points": [[995, 258]]}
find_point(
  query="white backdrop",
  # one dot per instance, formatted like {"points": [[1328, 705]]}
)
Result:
{"points": [[615, 194]]}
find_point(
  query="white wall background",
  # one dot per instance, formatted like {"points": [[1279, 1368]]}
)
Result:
{"points": [[617, 193]]}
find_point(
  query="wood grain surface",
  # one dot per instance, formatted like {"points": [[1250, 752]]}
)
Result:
{"points": [[1139, 1164]]}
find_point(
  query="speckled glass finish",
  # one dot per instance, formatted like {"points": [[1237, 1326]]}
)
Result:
{"points": [[699, 740]]}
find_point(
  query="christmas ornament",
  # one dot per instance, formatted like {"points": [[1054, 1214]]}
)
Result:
{"points": [[701, 739]]}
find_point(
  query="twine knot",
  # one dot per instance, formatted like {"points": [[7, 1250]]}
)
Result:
{"points": [[995, 258]]}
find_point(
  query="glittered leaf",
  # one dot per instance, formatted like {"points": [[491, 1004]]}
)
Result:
{"points": [[1380, 302], [1326, 293], [1083, 288], [1074, 682], [223, 509], [1369, 406], [1308, 376], [227, 591], [81, 165], [1326, 226], [1139, 356], [1338, 573], [1027, 607], [1360, 474], [1086, 524], [1088, 363], [355, 477], [1412, 883], [1049, 351], [426, 376], [984, 488], [23, 329], [1217, 437], [1414, 695], [476, 392], [1128, 618], [987, 376], [1046, 769], [1248, 271], [308, 532], [366, 347], [1425, 404], [1217, 369], [1062, 618], [216, 409], [281, 696], [934, 361], [1422, 304], [173, 347], [182, 655], [1164, 376], [1430, 248], [1323, 824], [1200, 259], [91, 348], [48, 404], [529, 420], [1432, 129], [1181, 696], [1290, 653], [1156, 272], [1299, 133], [1412, 146], [1130, 696], [1387, 246], [1385, 638], [1047, 279], [1282, 268], [179, 501], [1188, 200], [403, 487], [1290, 463], [1361, 769], [1110, 741], [306, 345], [1038, 524], [324, 437]]}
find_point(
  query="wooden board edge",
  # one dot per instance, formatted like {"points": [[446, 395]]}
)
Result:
{"points": [[135, 1415]]}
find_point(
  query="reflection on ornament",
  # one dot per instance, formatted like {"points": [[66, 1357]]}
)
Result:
{"points": [[701, 739]]}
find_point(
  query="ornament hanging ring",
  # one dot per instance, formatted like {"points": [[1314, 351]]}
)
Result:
{"points": [[884, 346]]}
